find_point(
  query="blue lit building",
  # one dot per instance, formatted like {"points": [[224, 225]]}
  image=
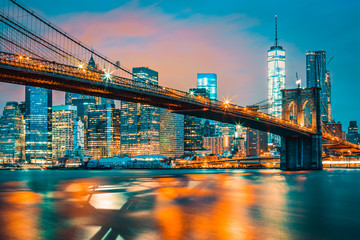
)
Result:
{"points": [[276, 80], [140, 123], [38, 138], [209, 82]]}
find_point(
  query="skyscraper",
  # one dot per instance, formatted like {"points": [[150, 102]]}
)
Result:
{"points": [[171, 133], [38, 104], [140, 123], [12, 134], [193, 140], [353, 134], [193, 132], [63, 130], [276, 80], [104, 131], [256, 142], [318, 76], [209, 82]]}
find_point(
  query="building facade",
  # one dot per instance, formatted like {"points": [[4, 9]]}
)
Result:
{"points": [[12, 134], [140, 123], [353, 133], [104, 131], [171, 133], [193, 139], [194, 128], [318, 76], [38, 120], [217, 145], [209, 82], [256, 142], [63, 130]]}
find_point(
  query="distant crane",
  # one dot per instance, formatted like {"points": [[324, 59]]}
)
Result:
{"points": [[329, 60]]}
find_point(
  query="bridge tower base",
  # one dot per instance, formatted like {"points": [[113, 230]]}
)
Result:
{"points": [[301, 153]]}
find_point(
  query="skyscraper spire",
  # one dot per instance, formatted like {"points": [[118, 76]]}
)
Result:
{"points": [[276, 39]]}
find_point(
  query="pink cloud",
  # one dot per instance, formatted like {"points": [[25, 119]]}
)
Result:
{"points": [[179, 48]]}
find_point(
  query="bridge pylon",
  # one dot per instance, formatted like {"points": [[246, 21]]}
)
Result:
{"points": [[302, 106]]}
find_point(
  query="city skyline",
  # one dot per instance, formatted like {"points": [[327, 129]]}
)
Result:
{"points": [[254, 28], [179, 119]]}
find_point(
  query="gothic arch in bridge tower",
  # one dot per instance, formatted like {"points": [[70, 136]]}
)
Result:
{"points": [[298, 106], [292, 112], [307, 113]]}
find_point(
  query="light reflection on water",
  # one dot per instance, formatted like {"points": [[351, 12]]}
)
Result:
{"points": [[182, 204]]}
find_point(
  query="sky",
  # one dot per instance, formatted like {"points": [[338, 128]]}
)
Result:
{"points": [[230, 38]]}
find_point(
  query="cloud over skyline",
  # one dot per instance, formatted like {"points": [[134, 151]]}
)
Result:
{"points": [[178, 48]]}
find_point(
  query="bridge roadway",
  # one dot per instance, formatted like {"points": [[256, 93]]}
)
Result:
{"points": [[23, 70]]}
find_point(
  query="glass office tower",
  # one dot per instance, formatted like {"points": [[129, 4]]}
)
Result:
{"points": [[38, 110], [318, 76], [12, 134], [275, 80], [63, 126], [209, 82]]}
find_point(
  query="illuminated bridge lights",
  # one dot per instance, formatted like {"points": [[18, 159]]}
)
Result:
{"points": [[107, 76]]}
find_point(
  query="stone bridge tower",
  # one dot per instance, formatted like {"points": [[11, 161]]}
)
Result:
{"points": [[302, 106]]}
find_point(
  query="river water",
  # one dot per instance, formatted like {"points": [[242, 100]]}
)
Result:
{"points": [[180, 204]]}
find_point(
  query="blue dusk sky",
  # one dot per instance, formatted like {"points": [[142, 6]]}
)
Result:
{"points": [[230, 38]]}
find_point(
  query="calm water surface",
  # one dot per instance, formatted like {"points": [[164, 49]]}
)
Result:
{"points": [[180, 204]]}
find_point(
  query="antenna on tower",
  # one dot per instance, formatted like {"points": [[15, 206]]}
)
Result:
{"points": [[298, 81], [276, 39]]}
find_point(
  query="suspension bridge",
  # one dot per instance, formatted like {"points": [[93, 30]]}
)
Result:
{"points": [[35, 52]]}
